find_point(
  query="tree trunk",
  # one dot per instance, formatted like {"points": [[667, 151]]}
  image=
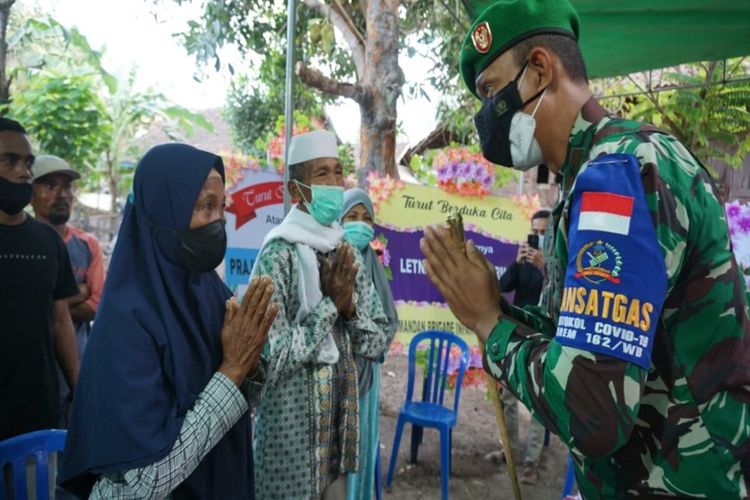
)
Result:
{"points": [[113, 192], [379, 79], [5, 6], [382, 80], [111, 160]]}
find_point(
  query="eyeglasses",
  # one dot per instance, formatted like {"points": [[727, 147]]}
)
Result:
{"points": [[13, 160]]}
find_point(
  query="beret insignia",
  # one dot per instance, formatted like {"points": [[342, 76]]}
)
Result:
{"points": [[482, 37]]}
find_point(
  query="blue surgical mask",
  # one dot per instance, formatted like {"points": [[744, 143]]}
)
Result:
{"points": [[541, 242], [327, 202], [359, 234]]}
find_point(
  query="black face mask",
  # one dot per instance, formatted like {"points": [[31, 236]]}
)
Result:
{"points": [[203, 248], [494, 119], [14, 195]]}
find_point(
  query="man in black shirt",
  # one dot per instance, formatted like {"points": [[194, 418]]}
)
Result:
{"points": [[526, 277], [36, 280]]}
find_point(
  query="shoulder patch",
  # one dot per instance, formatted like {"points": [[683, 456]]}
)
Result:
{"points": [[616, 279]]}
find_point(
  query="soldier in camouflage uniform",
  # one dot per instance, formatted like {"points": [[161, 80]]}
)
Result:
{"points": [[639, 356]]}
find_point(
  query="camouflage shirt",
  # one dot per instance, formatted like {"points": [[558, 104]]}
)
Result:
{"points": [[678, 423]]}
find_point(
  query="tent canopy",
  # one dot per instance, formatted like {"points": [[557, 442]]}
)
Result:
{"points": [[619, 37]]}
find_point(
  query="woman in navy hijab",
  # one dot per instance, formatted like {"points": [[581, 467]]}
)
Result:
{"points": [[158, 411]]}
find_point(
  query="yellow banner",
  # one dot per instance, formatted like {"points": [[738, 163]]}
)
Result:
{"points": [[418, 206], [413, 318], [497, 224]]}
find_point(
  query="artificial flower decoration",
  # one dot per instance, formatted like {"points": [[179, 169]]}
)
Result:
{"points": [[464, 172], [234, 164], [381, 188], [738, 218], [275, 149], [527, 203]]}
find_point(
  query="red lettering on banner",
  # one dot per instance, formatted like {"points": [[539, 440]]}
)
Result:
{"points": [[246, 201]]}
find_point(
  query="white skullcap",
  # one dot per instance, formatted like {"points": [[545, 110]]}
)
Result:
{"points": [[312, 145]]}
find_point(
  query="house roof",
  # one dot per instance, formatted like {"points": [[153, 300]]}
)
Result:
{"points": [[220, 139]]}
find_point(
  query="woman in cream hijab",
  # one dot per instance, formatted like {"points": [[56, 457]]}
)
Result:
{"points": [[358, 220]]}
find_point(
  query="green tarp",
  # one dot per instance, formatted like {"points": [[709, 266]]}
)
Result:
{"points": [[625, 36]]}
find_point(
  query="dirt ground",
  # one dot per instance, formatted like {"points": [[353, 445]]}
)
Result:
{"points": [[474, 436]]}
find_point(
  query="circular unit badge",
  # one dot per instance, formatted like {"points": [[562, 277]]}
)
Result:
{"points": [[599, 261]]}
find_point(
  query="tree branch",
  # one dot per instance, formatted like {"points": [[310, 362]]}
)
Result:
{"points": [[462, 25], [348, 20], [5, 6], [709, 76], [676, 130], [344, 23], [316, 79]]}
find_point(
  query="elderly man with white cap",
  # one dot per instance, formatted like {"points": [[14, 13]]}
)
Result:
{"points": [[307, 432], [52, 200]]}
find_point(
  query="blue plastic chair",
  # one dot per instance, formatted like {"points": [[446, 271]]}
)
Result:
{"points": [[570, 479], [430, 412], [16, 450]]}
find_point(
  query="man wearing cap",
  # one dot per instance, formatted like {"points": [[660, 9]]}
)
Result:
{"points": [[639, 355], [307, 432], [52, 200], [36, 282]]}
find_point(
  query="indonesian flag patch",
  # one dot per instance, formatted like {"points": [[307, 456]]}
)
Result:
{"points": [[606, 212]]}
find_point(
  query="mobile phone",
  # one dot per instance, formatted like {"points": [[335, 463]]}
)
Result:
{"points": [[533, 241]]}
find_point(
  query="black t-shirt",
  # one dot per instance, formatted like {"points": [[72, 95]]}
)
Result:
{"points": [[34, 271], [527, 280]]}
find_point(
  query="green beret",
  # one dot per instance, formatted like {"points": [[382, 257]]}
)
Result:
{"points": [[506, 23]]}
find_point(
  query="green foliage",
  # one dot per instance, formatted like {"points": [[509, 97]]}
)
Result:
{"points": [[423, 361], [346, 156], [250, 115], [459, 119], [505, 175], [438, 28], [36, 43], [421, 167], [132, 114], [178, 119], [258, 30], [709, 116], [255, 105], [77, 110], [712, 120], [65, 116], [268, 149]]}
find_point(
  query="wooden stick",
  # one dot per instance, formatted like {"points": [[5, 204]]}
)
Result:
{"points": [[497, 403], [456, 226]]}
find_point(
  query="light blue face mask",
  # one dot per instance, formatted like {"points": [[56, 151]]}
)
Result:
{"points": [[359, 234], [327, 202]]}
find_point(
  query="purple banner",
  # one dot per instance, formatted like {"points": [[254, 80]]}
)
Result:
{"points": [[405, 261]]}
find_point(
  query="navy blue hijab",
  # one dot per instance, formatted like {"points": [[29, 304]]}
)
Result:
{"points": [[155, 343]]}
